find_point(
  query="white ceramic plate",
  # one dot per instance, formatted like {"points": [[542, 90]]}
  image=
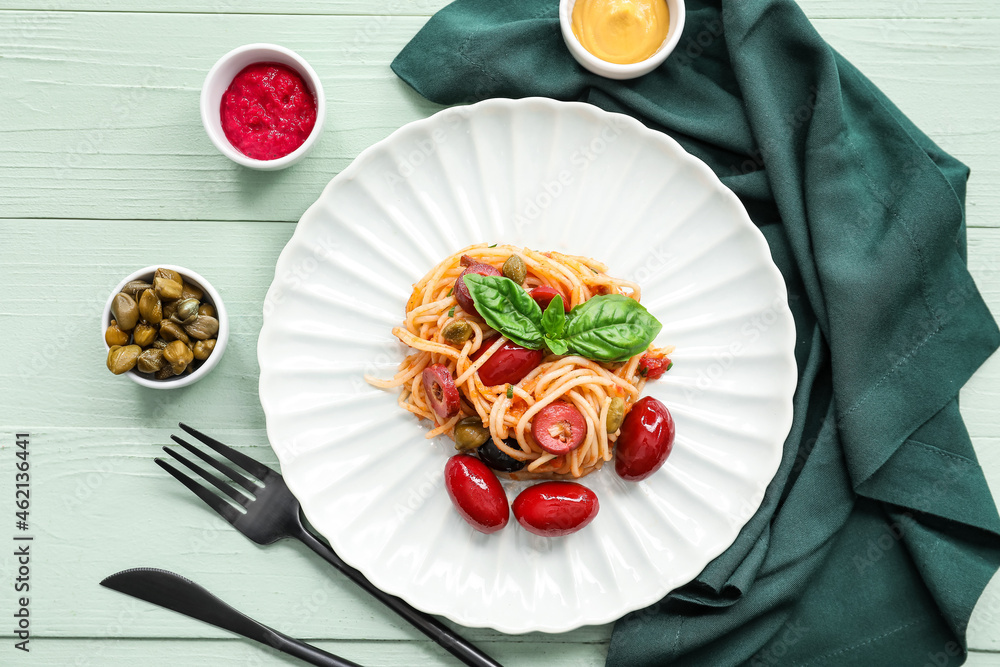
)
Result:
{"points": [[551, 176]]}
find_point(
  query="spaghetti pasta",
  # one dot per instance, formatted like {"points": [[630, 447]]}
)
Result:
{"points": [[508, 410]]}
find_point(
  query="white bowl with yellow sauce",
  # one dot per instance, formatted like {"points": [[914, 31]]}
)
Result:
{"points": [[621, 39]]}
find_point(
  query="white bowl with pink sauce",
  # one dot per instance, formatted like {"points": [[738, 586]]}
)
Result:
{"points": [[221, 76]]}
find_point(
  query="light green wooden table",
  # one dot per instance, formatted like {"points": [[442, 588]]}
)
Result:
{"points": [[104, 168]]}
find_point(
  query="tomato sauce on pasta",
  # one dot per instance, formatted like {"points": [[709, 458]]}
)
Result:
{"points": [[508, 409]]}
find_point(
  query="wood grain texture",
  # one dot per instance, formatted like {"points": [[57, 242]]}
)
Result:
{"points": [[101, 505], [98, 128], [88, 258], [94, 446], [104, 167], [238, 652], [817, 9]]}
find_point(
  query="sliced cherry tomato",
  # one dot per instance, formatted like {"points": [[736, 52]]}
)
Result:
{"points": [[653, 367], [476, 493], [552, 509], [509, 364], [559, 428], [543, 295], [462, 290], [645, 440], [441, 390]]}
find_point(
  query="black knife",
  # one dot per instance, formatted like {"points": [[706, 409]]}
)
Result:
{"points": [[176, 593]]}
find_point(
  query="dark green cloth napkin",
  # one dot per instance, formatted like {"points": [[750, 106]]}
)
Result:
{"points": [[878, 533]]}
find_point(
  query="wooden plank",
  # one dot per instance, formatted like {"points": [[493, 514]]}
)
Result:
{"points": [[100, 505], [96, 490], [95, 434], [816, 9], [64, 274], [66, 270], [120, 652], [100, 128]]}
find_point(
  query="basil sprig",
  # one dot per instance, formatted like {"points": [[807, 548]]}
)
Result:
{"points": [[507, 308], [610, 327]]}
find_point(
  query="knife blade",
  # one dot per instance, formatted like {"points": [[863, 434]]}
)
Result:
{"points": [[172, 591]]}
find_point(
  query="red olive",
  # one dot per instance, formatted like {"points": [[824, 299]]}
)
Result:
{"points": [[476, 493], [551, 509], [645, 440], [509, 364], [441, 390], [543, 294], [559, 428], [462, 290]]}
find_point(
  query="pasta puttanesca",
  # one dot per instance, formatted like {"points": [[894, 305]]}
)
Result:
{"points": [[588, 385]]}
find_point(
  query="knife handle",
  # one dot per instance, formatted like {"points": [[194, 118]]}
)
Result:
{"points": [[430, 626], [308, 653]]}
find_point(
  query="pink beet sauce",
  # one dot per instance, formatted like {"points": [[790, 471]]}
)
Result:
{"points": [[267, 111]]}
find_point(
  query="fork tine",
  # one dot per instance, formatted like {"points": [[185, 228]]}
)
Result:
{"points": [[218, 503], [206, 476], [255, 468], [233, 474]]}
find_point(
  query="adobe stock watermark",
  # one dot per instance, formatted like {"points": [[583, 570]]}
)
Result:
{"points": [[784, 639], [694, 47], [422, 150], [656, 261], [577, 162], [892, 533], [418, 494], [300, 271], [722, 361], [793, 119]]}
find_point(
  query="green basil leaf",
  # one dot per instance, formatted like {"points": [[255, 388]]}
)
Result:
{"points": [[507, 308], [610, 328], [554, 318], [557, 345]]}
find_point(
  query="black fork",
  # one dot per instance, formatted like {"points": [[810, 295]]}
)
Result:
{"points": [[272, 513]]}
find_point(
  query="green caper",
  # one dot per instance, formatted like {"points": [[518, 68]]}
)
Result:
{"points": [[203, 327], [203, 348], [171, 331], [165, 372], [122, 358], [150, 360], [125, 310], [168, 274], [144, 334], [168, 284], [150, 307], [113, 335], [470, 433], [515, 269], [159, 343], [178, 355], [616, 414], [457, 332], [186, 312], [206, 309], [136, 287], [189, 291]]}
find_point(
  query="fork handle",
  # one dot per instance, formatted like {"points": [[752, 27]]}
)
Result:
{"points": [[430, 626]]}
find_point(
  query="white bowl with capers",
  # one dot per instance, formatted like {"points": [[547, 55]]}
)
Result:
{"points": [[164, 327]]}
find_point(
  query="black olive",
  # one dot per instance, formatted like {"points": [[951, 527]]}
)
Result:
{"points": [[497, 459]]}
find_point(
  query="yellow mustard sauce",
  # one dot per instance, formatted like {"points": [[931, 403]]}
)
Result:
{"points": [[621, 31]]}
